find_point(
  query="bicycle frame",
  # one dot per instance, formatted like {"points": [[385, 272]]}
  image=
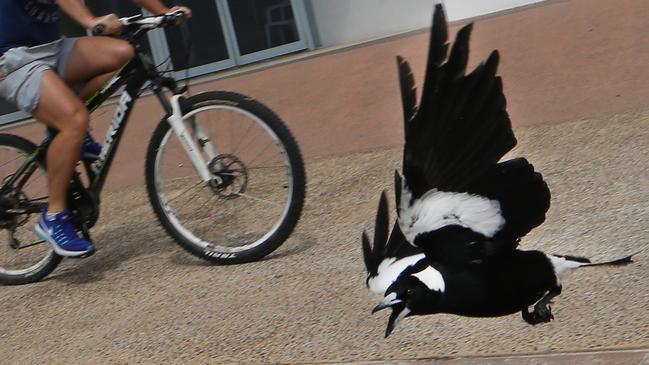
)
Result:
{"points": [[133, 77]]}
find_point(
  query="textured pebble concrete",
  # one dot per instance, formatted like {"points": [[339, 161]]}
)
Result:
{"points": [[141, 299], [619, 357]]}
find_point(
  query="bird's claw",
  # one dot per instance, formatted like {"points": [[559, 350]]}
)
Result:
{"points": [[542, 314]]}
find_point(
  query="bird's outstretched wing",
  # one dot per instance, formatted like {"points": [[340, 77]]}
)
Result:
{"points": [[455, 200], [388, 257]]}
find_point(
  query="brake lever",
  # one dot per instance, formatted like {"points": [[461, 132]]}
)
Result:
{"points": [[175, 18]]}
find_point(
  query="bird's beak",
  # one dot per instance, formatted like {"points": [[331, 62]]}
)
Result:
{"points": [[399, 311], [388, 302], [396, 317]]}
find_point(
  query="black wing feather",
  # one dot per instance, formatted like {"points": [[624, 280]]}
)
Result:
{"points": [[523, 195], [374, 255], [454, 142], [408, 89], [461, 127]]}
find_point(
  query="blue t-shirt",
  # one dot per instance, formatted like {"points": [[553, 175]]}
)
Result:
{"points": [[28, 23]]}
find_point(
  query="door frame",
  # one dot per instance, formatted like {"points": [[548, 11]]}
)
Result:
{"points": [[160, 48]]}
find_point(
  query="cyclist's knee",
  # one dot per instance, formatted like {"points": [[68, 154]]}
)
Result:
{"points": [[122, 53], [76, 122]]}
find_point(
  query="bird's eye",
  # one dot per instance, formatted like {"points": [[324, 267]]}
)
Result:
{"points": [[409, 291]]}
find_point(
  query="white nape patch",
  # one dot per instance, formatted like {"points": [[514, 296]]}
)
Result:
{"points": [[431, 278], [437, 209], [562, 265], [389, 271]]}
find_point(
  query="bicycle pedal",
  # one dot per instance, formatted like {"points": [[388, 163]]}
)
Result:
{"points": [[82, 228]]}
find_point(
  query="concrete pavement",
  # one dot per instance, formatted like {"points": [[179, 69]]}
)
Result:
{"points": [[616, 357], [141, 299]]}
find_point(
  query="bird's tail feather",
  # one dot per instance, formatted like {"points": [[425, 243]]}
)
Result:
{"points": [[618, 262], [585, 262]]}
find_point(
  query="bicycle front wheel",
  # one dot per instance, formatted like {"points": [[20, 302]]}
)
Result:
{"points": [[255, 196]]}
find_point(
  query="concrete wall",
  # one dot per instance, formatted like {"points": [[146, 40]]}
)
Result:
{"points": [[336, 22]]}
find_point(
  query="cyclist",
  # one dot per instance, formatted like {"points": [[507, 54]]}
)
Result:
{"points": [[39, 71]]}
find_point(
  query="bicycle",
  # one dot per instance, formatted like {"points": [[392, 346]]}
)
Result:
{"points": [[224, 196]]}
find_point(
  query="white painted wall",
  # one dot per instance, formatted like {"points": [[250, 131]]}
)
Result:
{"points": [[336, 22], [462, 9]]}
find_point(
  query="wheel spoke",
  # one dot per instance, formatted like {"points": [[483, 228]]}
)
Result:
{"points": [[11, 161], [260, 153], [248, 144], [185, 192], [22, 247], [267, 202], [250, 168]]}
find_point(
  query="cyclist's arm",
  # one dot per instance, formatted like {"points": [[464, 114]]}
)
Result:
{"points": [[157, 7], [154, 6], [78, 11]]}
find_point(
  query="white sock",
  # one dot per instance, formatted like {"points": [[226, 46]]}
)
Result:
{"points": [[50, 215]]}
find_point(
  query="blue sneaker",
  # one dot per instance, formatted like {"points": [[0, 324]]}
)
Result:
{"points": [[90, 149], [59, 232]]}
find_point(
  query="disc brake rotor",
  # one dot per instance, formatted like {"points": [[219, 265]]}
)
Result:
{"points": [[230, 176]]}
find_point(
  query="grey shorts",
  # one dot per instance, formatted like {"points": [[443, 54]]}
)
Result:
{"points": [[21, 71]]}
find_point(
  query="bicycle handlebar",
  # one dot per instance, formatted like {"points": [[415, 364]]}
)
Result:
{"points": [[138, 22]]}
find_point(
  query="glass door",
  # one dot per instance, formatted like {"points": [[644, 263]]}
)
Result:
{"points": [[226, 33], [265, 28], [198, 47]]}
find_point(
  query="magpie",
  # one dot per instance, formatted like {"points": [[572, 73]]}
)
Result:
{"points": [[462, 209]]}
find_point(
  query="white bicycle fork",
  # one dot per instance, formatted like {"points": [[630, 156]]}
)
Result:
{"points": [[178, 126]]}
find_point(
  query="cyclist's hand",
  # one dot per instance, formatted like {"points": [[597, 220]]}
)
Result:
{"points": [[110, 23], [187, 12]]}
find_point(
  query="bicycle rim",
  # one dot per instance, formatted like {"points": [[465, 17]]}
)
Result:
{"points": [[252, 208]]}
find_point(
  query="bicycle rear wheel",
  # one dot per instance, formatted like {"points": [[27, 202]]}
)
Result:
{"points": [[255, 197], [24, 258]]}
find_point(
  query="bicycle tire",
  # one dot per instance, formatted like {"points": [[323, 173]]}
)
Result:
{"points": [[51, 260], [209, 250]]}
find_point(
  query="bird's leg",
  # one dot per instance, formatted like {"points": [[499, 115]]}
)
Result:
{"points": [[542, 311]]}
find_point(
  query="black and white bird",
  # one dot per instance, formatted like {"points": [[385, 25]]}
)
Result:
{"points": [[462, 211]]}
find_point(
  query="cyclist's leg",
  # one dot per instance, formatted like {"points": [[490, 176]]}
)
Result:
{"points": [[93, 60], [59, 107]]}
